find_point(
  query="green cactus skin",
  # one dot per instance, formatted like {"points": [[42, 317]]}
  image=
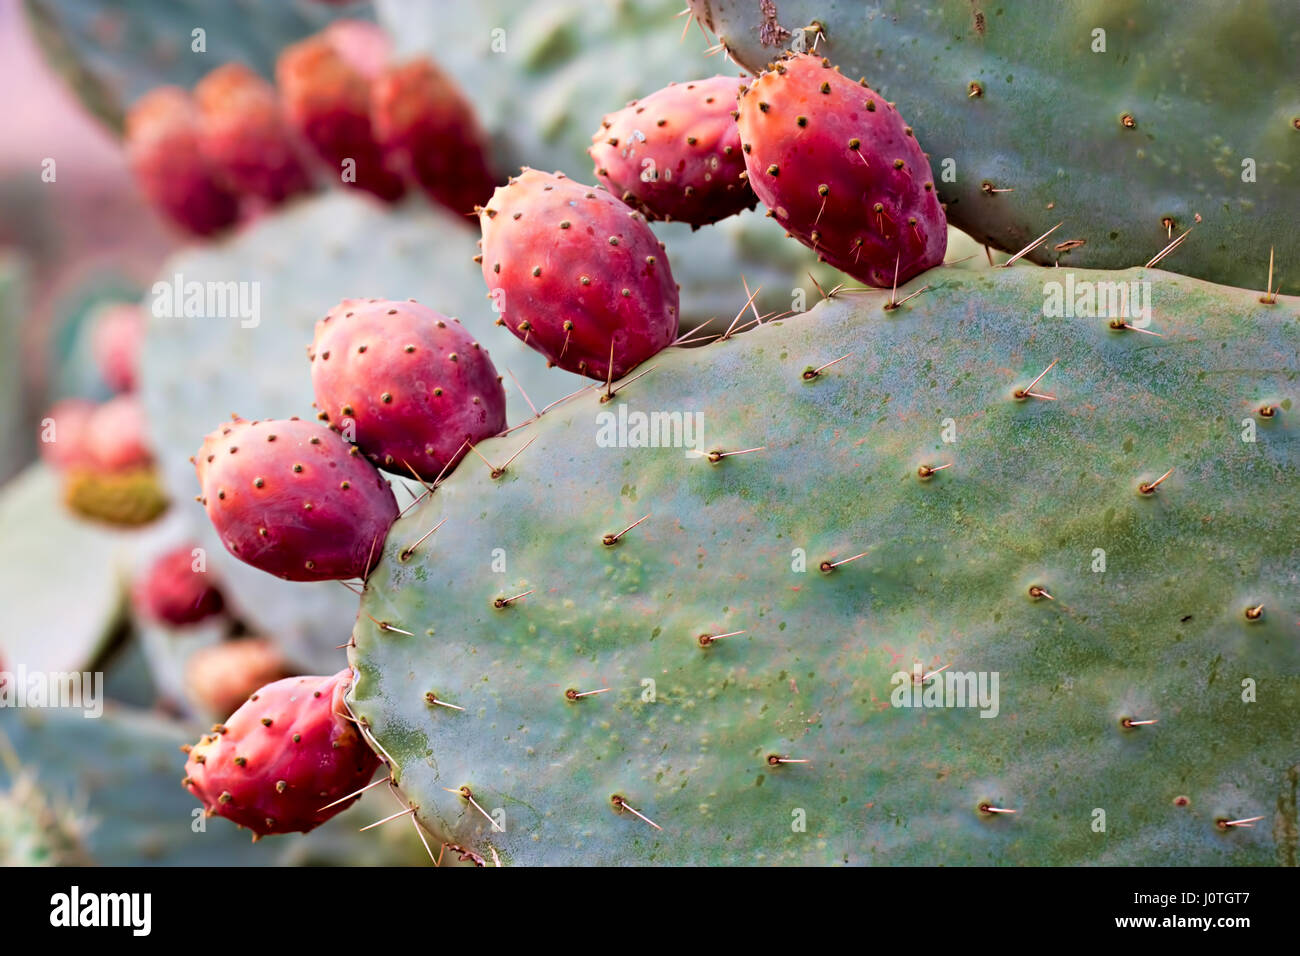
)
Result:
{"points": [[1035, 486], [112, 52], [1110, 143]]}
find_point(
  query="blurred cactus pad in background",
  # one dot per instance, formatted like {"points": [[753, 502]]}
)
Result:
{"points": [[602, 432]]}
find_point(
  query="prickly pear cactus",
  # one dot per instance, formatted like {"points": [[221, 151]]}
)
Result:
{"points": [[299, 264], [923, 605], [1125, 122], [112, 52]]}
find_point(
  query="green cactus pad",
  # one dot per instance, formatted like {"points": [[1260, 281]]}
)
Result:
{"points": [[1184, 104], [53, 621], [990, 566]]}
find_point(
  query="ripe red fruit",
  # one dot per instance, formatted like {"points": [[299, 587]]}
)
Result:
{"points": [[415, 384], [294, 499], [675, 154], [577, 274], [282, 756]]}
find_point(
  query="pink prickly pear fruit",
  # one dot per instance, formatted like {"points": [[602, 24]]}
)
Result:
{"points": [[173, 591], [426, 125], [675, 154], [166, 157], [116, 339], [577, 274], [294, 499], [324, 84], [282, 757], [414, 384], [116, 435], [64, 435], [836, 165], [245, 136], [220, 677]]}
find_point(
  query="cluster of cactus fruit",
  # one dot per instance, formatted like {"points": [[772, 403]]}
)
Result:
{"points": [[890, 484], [588, 644], [238, 145]]}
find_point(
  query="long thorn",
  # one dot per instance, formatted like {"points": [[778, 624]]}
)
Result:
{"points": [[1167, 249], [377, 823], [356, 793], [814, 372], [522, 392], [1032, 246], [827, 565], [637, 813], [612, 538], [407, 552]]}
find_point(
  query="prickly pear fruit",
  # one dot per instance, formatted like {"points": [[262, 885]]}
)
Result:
{"points": [[163, 147], [222, 676], [172, 592], [294, 499], [838, 167], [577, 274], [415, 383], [428, 128], [115, 435], [245, 136], [63, 434], [324, 84], [116, 339], [676, 153], [276, 763]]}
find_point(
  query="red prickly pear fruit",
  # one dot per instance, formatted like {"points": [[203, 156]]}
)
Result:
{"points": [[294, 499], [675, 154], [64, 435], [173, 592], [838, 167], [116, 340], [413, 383], [577, 274], [278, 760], [324, 84], [116, 437], [428, 128], [165, 154], [245, 136], [220, 677]]}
